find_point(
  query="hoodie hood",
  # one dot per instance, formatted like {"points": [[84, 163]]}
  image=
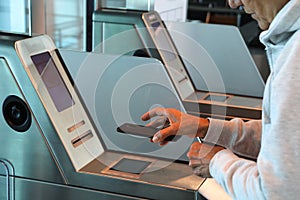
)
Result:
{"points": [[285, 23]]}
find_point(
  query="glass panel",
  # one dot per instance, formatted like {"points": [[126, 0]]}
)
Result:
{"points": [[14, 16], [65, 21]]}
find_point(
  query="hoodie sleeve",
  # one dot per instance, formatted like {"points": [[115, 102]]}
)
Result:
{"points": [[239, 177], [243, 138]]}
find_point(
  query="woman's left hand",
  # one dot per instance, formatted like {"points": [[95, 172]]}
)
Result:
{"points": [[200, 156]]}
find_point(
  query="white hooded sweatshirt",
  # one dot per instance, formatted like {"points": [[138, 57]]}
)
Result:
{"points": [[275, 140]]}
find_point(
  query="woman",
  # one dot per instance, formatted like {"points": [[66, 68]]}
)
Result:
{"points": [[273, 143]]}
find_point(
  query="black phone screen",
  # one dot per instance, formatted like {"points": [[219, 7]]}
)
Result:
{"points": [[144, 131]]}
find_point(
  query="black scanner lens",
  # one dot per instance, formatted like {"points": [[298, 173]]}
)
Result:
{"points": [[16, 113]]}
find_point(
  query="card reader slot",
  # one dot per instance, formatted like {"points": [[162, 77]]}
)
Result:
{"points": [[183, 79], [82, 138], [76, 126]]}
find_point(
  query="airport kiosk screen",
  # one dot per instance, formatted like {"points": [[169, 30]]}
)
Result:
{"points": [[53, 81], [163, 42]]}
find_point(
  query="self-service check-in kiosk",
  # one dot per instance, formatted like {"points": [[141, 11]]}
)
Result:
{"points": [[59, 139], [145, 34]]}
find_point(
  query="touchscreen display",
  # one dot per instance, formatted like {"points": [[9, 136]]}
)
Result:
{"points": [[163, 42], [53, 81]]}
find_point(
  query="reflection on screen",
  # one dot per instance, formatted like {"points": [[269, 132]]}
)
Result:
{"points": [[53, 81]]}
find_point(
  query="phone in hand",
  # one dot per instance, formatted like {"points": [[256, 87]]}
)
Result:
{"points": [[144, 131]]}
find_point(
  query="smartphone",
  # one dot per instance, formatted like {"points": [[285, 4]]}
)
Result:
{"points": [[144, 131]]}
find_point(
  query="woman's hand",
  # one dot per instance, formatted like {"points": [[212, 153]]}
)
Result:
{"points": [[179, 124], [200, 156]]}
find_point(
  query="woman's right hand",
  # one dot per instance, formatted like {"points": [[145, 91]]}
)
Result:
{"points": [[179, 124]]}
